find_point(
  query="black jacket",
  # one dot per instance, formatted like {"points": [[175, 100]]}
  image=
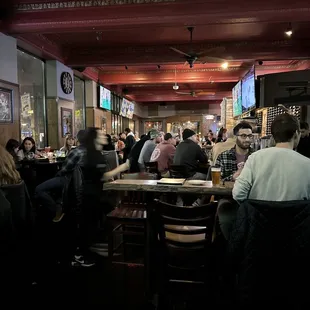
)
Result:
{"points": [[269, 249], [189, 154]]}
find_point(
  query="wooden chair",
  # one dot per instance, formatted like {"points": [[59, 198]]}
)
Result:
{"points": [[185, 255], [178, 171]]}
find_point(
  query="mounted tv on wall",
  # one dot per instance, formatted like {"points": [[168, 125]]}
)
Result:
{"points": [[237, 99], [127, 108], [104, 98], [248, 91]]}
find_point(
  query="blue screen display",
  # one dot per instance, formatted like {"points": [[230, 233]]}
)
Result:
{"points": [[248, 91]]}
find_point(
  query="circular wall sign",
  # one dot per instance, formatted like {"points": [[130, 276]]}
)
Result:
{"points": [[66, 83]]}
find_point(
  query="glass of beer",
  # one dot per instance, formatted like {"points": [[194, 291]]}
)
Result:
{"points": [[216, 175]]}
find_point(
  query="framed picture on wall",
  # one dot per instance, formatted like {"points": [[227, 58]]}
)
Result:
{"points": [[66, 121], [6, 105]]}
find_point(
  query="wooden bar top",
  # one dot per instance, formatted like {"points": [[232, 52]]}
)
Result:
{"points": [[152, 186]]}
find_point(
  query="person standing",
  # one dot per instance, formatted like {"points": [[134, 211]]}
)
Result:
{"points": [[303, 146]]}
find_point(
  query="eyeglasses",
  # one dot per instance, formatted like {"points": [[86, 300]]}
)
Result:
{"points": [[244, 136]]}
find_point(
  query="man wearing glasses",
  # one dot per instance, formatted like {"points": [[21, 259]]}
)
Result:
{"points": [[233, 160]]}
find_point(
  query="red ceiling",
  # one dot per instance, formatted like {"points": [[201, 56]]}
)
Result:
{"points": [[107, 35]]}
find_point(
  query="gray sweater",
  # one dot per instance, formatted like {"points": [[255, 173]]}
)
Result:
{"points": [[274, 174]]}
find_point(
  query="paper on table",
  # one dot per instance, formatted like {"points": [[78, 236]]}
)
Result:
{"points": [[171, 181]]}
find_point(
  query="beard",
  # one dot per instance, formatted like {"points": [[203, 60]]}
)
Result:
{"points": [[243, 145]]}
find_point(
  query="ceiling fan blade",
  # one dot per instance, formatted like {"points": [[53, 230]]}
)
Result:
{"points": [[208, 59], [208, 93], [214, 50], [182, 93], [179, 52]]}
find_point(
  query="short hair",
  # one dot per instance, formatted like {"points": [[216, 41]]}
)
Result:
{"points": [[167, 136], [127, 130], [284, 127], [304, 125], [242, 125]]}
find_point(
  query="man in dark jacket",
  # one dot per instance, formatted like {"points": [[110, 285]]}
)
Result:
{"points": [[129, 143], [190, 154], [269, 250]]}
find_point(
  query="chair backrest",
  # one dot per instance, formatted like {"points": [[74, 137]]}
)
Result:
{"points": [[151, 166], [112, 160], [17, 196], [185, 233], [178, 171]]}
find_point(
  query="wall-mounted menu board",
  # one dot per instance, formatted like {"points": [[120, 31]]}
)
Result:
{"points": [[127, 108]]}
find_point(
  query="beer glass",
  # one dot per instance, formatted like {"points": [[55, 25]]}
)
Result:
{"points": [[216, 176]]}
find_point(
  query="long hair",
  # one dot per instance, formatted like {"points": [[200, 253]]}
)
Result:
{"points": [[89, 143], [8, 172], [65, 147], [22, 146], [11, 145]]}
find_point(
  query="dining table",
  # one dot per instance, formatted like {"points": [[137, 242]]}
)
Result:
{"points": [[154, 186]]}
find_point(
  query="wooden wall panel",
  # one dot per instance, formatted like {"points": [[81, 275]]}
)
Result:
{"points": [[11, 130]]}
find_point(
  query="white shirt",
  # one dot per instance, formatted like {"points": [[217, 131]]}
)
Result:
{"points": [[274, 174]]}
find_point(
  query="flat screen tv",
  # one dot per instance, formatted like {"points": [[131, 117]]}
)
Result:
{"points": [[104, 98], [248, 91], [237, 100], [127, 108]]}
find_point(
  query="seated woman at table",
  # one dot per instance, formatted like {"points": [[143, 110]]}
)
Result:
{"points": [[8, 172], [28, 150], [12, 146], [69, 144]]}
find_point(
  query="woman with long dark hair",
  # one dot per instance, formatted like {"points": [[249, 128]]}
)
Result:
{"points": [[28, 150], [12, 146]]}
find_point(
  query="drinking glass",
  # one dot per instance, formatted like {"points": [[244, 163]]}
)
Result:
{"points": [[30, 155], [216, 175]]}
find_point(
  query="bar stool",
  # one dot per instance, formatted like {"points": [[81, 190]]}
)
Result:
{"points": [[128, 223]]}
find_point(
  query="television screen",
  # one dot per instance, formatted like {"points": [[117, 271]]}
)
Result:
{"points": [[248, 91], [127, 108], [237, 103], [105, 98]]}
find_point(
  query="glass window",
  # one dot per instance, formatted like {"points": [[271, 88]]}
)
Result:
{"points": [[79, 107], [32, 92]]}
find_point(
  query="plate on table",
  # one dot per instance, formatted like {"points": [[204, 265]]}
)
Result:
{"points": [[197, 182], [169, 181]]}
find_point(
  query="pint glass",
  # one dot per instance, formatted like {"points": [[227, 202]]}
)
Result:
{"points": [[216, 175]]}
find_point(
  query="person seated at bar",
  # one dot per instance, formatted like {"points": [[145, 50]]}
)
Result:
{"points": [[28, 150], [277, 173], [189, 154], [221, 147], [232, 161], [303, 146], [164, 153], [12, 146], [69, 144], [148, 148], [8, 173]]}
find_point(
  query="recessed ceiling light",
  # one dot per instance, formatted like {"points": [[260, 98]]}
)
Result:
{"points": [[289, 30], [224, 65]]}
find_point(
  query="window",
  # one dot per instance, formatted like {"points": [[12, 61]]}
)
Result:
{"points": [[79, 107], [32, 92]]}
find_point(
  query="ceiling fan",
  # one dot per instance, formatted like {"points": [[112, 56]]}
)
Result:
{"points": [[196, 93], [191, 57]]}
